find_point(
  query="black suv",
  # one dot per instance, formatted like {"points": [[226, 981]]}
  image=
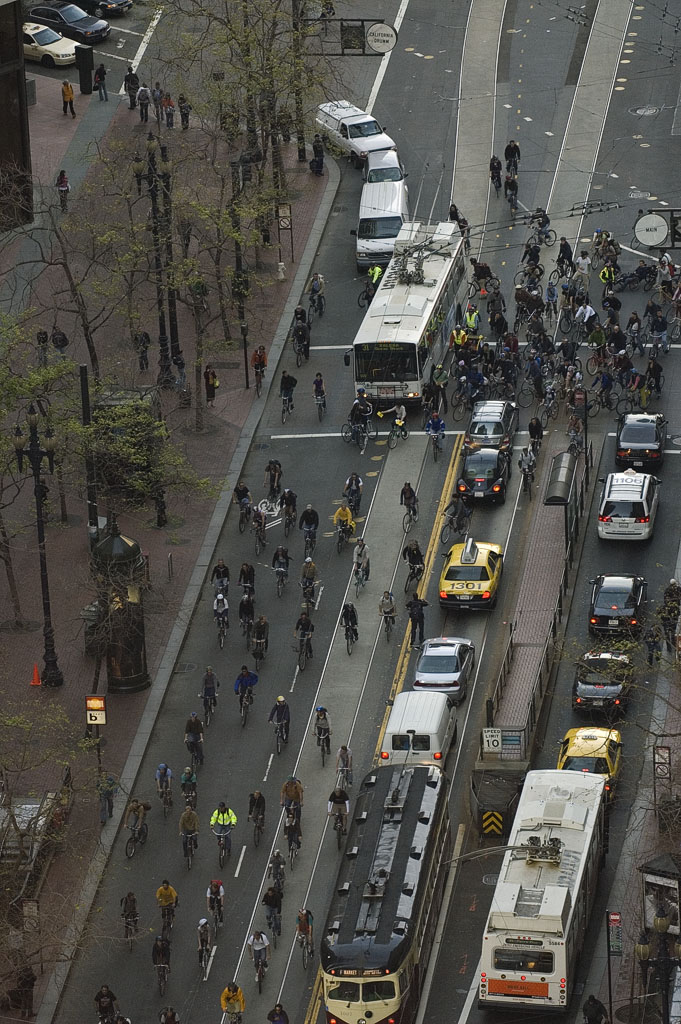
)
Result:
{"points": [[602, 682], [71, 21], [640, 441]]}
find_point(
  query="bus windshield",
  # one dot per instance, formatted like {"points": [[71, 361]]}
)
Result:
{"points": [[390, 361]]}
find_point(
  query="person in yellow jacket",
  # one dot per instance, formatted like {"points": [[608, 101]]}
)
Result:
{"points": [[232, 1000], [343, 514], [67, 97]]}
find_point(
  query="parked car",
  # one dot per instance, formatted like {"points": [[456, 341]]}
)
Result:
{"points": [[71, 21], [43, 44], [445, 665], [352, 130]]}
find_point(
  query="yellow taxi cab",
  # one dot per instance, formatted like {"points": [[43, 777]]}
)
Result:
{"points": [[597, 750], [471, 575]]}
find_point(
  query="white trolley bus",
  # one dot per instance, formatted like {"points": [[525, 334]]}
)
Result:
{"points": [[406, 329], [545, 892]]}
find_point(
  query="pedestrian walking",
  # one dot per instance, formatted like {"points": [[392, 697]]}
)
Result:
{"points": [[278, 1015], [669, 616], [653, 642], [141, 343], [317, 162], [415, 608], [107, 787], [157, 99], [26, 980], [594, 1011], [100, 82], [184, 107], [67, 97], [132, 84], [144, 99], [169, 110], [63, 188], [211, 382]]}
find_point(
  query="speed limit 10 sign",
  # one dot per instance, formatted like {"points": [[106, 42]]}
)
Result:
{"points": [[491, 740]]}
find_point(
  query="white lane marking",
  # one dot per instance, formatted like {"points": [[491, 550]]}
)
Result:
{"points": [[269, 766], [319, 597], [676, 123], [146, 39], [385, 59], [295, 676], [210, 962], [241, 860], [129, 31], [275, 522]]}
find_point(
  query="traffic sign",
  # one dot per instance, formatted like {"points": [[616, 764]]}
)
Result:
{"points": [[95, 709], [491, 740], [381, 38], [615, 945], [651, 229]]}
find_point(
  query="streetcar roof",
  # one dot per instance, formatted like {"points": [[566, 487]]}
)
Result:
{"points": [[383, 877], [553, 826]]}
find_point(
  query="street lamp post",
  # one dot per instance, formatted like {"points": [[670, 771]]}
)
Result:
{"points": [[663, 964], [165, 374], [34, 454], [244, 335]]}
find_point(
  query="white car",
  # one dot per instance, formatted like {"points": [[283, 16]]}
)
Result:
{"points": [[628, 506], [47, 46], [445, 665]]}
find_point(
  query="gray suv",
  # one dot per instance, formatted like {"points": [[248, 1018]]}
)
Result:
{"points": [[493, 425]]}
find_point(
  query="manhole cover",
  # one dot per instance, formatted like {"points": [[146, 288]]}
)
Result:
{"points": [[639, 195], [490, 879], [646, 111], [676, 440]]}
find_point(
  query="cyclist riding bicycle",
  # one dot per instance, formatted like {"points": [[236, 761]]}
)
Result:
{"points": [[339, 803], [321, 727], [541, 218], [203, 938], [276, 867], [344, 762], [242, 495], [348, 618], [495, 171], [261, 632], [188, 784], [354, 486], [436, 427], [221, 610], [512, 155], [209, 688], [343, 515], [166, 896], [232, 1001], [244, 683], [215, 897], [386, 607], [222, 821], [360, 558], [304, 925], [408, 496], [258, 950], [136, 809], [286, 387], [319, 389], [193, 736], [246, 610], [308, 578], [315, 288], [292, 829], [281, 715], [160, 952], [287, 502], [301, 338], [281, 559], [412, 554], [527, 461], [129, 911], [189, 825], [291, 795], [536, 432], [260, 522], [303, 630], [271, 901], [309, 522], [256, 806], [106, 1002], [259, 360], [220, 574], [247, 577], [564, 258], [164, 778], [400, 417], [169, 1016]]}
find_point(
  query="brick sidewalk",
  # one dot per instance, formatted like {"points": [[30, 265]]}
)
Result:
{"points": [[209, 452]]}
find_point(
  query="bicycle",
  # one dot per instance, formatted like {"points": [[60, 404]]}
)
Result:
{"points": [[539, 237], [355, 433], [247, 631], [317, 305], [320, 402], [488, 284], [130, 924], [365, 296], [167, 919], [576, 445], [167, 798], [205, 958], [293, 848], [216, 910], [222, 630], [138, 837], [289, 519], [457, 519], [304, 649], [563, 270], [244, 515], [549, 411], [276, 871], [410, 517], [209, 708], [273, 923], [258, 652], [259, 374], [342, 536], [298, 349], [279, 735], [360, 577], [308, 594], [528, 480], [260, 540], [310, 542], [286, 407], [397, 430], [224, 850], [258, 828], [191, 849], [436, 443], [388, 622], [338, 828], [413, 577], [306, 943], [260, 973], [245, 704], [349, 638], [282, 578], [162, 971], [522, 276]]}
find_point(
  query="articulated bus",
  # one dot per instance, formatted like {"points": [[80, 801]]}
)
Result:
{"points": [[406, 329], [545, 892], [381, 925]]}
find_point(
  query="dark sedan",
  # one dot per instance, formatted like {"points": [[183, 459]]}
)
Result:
{"points": [[617, 605], [105, 8], [641, 438], [602, 683], [71, 21], [484, 476]]}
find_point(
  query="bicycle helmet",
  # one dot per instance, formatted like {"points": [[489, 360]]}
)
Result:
{"points": [[193, 714], [281, 700], [187, 770], [222, 804], [321, 708], [220, 597], [162, 767], [308, 559], [361, 391], [159, 938], [202, 922]]}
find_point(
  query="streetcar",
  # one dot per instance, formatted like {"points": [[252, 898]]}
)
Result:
{"points": [[545, 892], [405, 332], [380, 929]]}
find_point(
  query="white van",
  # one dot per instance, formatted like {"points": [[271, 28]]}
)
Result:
{"points": [[383, 165], [353, 130], [628, 506], [383, 209], [421, 729]]}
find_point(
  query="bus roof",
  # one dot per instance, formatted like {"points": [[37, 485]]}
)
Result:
{"points": [[554, 822], [383, 877]]}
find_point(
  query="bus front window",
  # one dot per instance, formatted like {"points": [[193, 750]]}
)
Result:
{"points": [[386, 362], [345, 992], [378, 991]]}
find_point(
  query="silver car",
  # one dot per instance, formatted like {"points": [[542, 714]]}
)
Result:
{"points": [[445, 665]]}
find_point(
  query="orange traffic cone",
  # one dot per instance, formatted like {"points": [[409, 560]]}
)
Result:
{"points": [[36, 675]]}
